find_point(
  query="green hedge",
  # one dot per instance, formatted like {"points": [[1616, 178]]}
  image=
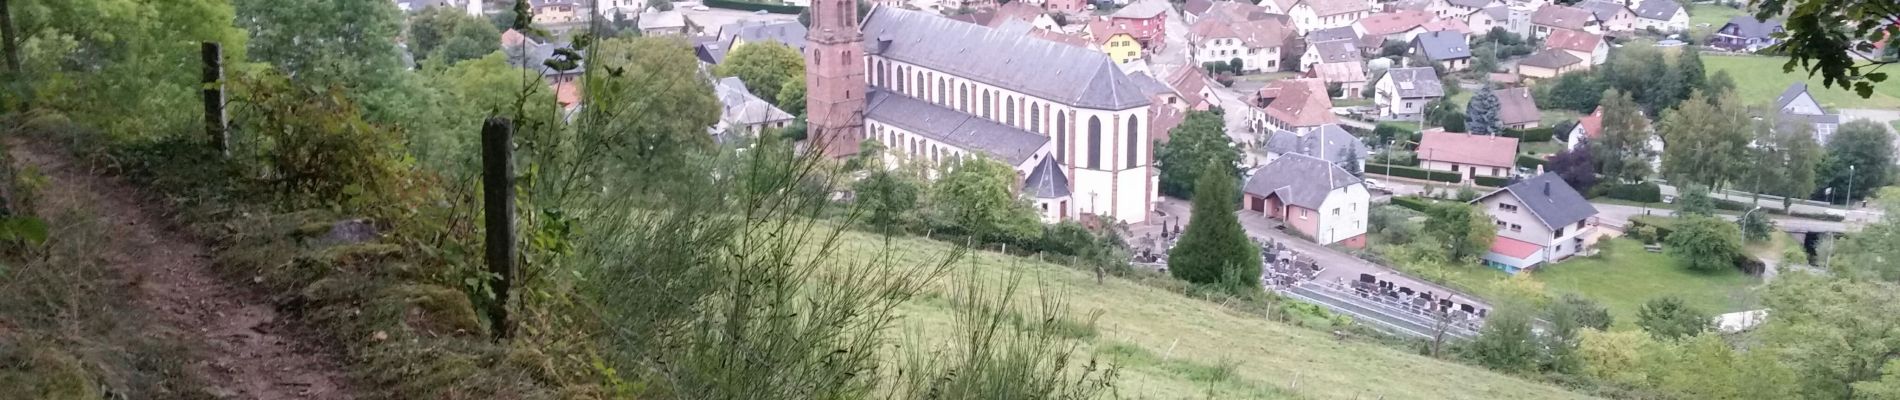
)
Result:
{"points": [[1490, 181], [1529, 161], [750, 6], [1415, 203], [1410, 172], [1640, 192], [1531, 135]]}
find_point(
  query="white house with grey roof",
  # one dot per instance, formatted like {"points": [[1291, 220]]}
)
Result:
{"points": [[1403, 92], [743, 113], [1798, 106], [1328, 142], [1448, 48], [1539, 220], [1313, 197], [940, 89], [1661, 15]]}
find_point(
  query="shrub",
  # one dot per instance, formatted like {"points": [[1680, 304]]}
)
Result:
{"points": [[1491, 181], [1529, 161], [1413, 202], [1638, 192]]}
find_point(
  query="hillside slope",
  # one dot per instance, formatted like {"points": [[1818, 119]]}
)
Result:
{"points": [[1170, 346]]}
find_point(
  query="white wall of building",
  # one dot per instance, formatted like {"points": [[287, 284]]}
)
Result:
{"points": [[1517, 222], [1343, 214]]}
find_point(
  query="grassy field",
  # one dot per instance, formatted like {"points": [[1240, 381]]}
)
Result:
{"points": [[1759, 79], [1711, 14], [1627, 275], [1173, 347]]}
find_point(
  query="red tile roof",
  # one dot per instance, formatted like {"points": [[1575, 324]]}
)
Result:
{"points": [[1560, 16], [1514, 248], [1481, 150], [1382, 24], [1565, 39], [1301, 102], [1592, 124]]}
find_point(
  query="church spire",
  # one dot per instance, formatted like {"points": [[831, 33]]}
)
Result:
{"points": [[834, 78]]}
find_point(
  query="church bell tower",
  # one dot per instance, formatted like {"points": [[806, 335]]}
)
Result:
{"points": [[834, 79]]}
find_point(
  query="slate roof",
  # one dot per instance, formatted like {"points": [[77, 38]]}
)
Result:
{"points": [[1335, 7], [1197, 7], [1517, 106], [1550, 58], [791, 33], [1067, 74], [1657, 9], [1047, 181], [1603, 10], [1328, 142], [1551, 200], [1338, 51], [1149, 85], [741, 107], [1332, 34], [1749, 27], [1467, 149], [1470, 3], [1142, 9], [1008, 144], [1416, 82], [1788, 95], [1235, 11], [1299, 180], [1561, 17], [1443, 45], [1578, 41]]}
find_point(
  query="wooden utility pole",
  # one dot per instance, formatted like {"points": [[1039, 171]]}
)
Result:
{"points": [[217, 123], [498, 204]]}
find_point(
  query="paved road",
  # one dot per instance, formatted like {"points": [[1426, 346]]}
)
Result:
{"points": [[1619, 215], [1339, 266]]}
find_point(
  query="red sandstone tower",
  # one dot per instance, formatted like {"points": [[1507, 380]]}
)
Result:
{"points": [[834, 79]]}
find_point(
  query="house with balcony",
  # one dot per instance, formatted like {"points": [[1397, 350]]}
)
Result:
{"points": [[1745, 33], [1540, 220]]}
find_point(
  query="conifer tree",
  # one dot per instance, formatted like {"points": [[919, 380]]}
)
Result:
{"points": [[1215, 249], [1481, 115]]}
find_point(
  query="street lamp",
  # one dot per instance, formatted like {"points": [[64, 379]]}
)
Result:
{"points": [[1388, 156], [1848, 198]]}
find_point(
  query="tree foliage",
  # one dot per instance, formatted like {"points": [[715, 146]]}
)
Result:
{"points": [[978, 197], [1785, 159], [890, 199], [1623, 149], [1669, 318], [1481, 114], [349, 42], [765, 67], [1868, 253], [117, 63], [1466, 230], [466, 93], [1577, 166], [1705, 244], [1442, 113], [1838, 335], [1215, 250], [1199, 142], [1505, 343], [1708, 142], [1859, 159], [448, 35], [647, 111]]}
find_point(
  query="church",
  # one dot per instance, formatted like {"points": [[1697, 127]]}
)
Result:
{"points": [[1071, 122]]}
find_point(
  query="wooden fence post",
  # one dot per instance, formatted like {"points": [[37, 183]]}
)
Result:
{"points": [[498, 204], [217, 122]]}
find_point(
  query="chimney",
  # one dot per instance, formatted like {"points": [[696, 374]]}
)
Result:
{"points": [[1547, 188]]}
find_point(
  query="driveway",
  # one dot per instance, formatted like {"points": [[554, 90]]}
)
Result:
{"points": [[1339, 266]]}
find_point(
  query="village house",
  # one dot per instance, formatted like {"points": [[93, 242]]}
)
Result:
{"points": [[1309, 15], [743, 113], [1796, 105], [555, 12], [1590, 127], [1458, 9], [1662, 15], [1257, 44], [1146, 20], [734, 35], [1400, 26], [1447, 48], [1552, 17], [1013, 11], [1336, 62], [1745, 33], [1298, 105], [665, 23], [1403, 92], [1191, 84], [1313, 197], [1328, 142], [1549, 63], [527, 53], [1517, 109], [1612, 15], [1467, 155], [1118, 43], [1582, 45], [1540, 220], [1066, 7]]}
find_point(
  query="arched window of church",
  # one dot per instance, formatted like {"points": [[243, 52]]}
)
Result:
{"points": [[1035, 119], [900, 77], [1134, 142], [1095, 143], [963, 97], [986, 104], [1062, 137], [878, 77], [1009, 111], [943, 92]]}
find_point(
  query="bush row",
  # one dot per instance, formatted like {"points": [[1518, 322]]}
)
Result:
{"points": [[1415, 203], [1544, 134], [1637, 192], [1414, 173], [1530, 162], [1490, 181]]}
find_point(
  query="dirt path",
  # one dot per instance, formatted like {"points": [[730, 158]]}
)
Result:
{"points": [[245, 350]]}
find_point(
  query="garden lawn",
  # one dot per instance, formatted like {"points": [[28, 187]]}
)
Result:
{"points": [[1712, 14], [1627, 275], [1759, 79], [1169, 346]]}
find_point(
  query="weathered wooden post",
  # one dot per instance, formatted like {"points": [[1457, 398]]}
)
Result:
{"points": [[217, 123], [498, 204]]}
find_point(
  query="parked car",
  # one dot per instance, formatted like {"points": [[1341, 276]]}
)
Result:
{"points": [[1373, 184], [701, 8]]}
